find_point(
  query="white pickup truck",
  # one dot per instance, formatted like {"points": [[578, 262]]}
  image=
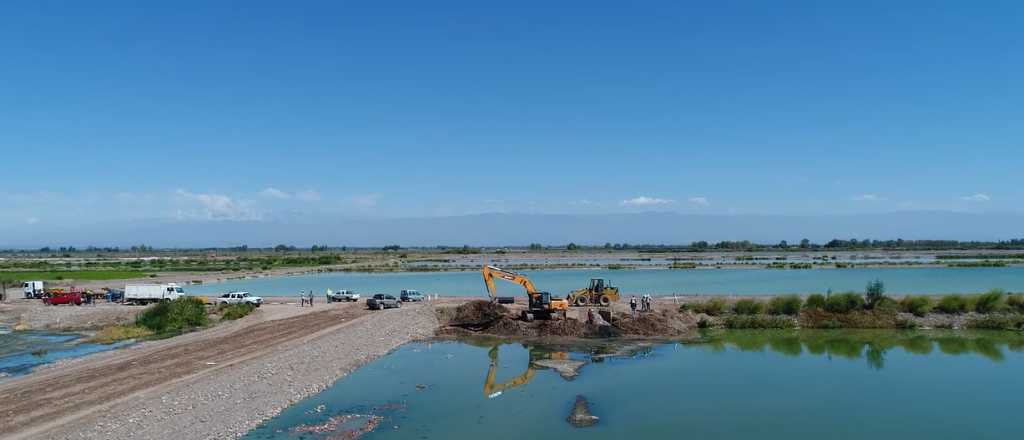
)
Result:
{"points": [[345, 295], [232, 298]]}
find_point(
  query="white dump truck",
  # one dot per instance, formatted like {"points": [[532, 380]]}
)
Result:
{"points": [[32, 289], [142, 294]]}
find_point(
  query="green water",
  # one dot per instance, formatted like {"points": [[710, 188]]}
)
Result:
{"points": [[809, 384], [898, 281]]}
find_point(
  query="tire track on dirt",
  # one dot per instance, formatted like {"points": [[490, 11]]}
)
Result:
{"points": [[78, 391]]}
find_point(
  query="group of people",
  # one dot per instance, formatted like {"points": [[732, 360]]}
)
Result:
{"points": [[307, 298], [645, 304]]}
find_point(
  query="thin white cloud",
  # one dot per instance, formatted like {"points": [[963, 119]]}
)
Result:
{"points": [[701, 201], [309, 196], [213, 207], [906, 205], [976, 198], [583, 202], [274, 193], [363, 200], [32, 220], [494, 201], [646, 201], [868, 198]]}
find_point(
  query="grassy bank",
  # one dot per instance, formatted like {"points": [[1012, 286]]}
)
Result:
{"points": [[170, 318], [993, 310]]}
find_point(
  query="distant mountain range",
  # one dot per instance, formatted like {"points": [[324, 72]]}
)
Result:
{"points": [[522, 229]]}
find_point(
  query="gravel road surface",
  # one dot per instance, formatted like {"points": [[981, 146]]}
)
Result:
{"points": [[214, 384]]}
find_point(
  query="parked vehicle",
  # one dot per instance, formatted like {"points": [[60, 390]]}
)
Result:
{"points": [[411, 295], [345, 295], [69, 298], [114, 295], [142, 294], [382, 301], [232, 298], [32, 289]]}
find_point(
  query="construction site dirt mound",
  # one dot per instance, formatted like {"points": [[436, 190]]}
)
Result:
{"points": [[478, 315], [655, 323], [484, 317]]}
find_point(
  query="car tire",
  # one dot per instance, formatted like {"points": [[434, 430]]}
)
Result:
{"points": [[398, 304]]}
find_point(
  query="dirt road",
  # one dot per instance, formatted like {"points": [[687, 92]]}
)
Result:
{"points": [[62, 395]]}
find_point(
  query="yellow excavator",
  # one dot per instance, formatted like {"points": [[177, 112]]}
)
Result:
{"points": [[539, 304], [492, 390], [598, 293]]}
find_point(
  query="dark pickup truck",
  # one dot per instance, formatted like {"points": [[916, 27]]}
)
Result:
{"points": [[382, 301]]}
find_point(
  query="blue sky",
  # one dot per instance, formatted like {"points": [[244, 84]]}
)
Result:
{"points": [[239, 109]]}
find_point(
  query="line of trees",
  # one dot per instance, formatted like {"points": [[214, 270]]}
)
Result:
{"points": [[697, 246]]}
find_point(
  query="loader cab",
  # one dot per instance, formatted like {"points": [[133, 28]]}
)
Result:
{"points": [[597, 285]]}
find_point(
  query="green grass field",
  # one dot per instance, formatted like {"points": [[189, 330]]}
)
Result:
{"points": [[91, 275]]}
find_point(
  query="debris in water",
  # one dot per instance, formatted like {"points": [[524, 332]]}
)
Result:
{"points": [[390, 407], [420, 387], [580, 416], [567, 368], [331, 424]]}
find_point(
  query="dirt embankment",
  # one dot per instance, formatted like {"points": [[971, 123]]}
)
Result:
{"points": [[484, 317]]}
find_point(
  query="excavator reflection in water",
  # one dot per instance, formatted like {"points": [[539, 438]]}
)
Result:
{"points": [[492, 390]]}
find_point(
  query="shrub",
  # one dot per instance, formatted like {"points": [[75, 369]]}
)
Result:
{"points": [[917, 305], [712, 307], [1003, 322], [953, 304], [988, 302], [815, 302], [844, 303], [112, 334], [236, 311], [179, 314], [887, 305], [874, 292], [829, 325], [784, 305], [866, 319], [748, 306], [1016, 301], [751, 321], [907, 324], [703, 323]]}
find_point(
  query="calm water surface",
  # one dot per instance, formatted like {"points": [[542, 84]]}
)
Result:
{"points": [[904, 280], [809, 384]]}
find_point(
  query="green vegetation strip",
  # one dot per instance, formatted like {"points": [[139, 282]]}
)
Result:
{"points": [[97, 275]]}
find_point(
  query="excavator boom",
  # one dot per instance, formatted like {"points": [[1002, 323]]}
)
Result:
{"points": [[539, 302]]}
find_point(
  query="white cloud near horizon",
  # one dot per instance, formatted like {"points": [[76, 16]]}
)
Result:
{"points": [[213, 207], [976, 198], [363, 200], [494, 201], [32, 220], [868, 198], [641, 201], [701, 201], [308, 195], [274, 193]]}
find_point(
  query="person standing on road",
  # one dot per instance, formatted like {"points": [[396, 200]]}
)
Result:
{"points": [[302, 296], [330, 299], [311, 295], [632, 306], [590, 316]]}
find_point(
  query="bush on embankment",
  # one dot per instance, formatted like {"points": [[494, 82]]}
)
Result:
{"points": [[233, 312], [759, 322], [112, 334], [180, 314], [785, 305]]}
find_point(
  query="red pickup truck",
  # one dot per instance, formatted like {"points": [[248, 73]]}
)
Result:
{"points": [[63, 298]]}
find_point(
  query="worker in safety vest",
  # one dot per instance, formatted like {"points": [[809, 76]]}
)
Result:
{"points": [[329, 298]]}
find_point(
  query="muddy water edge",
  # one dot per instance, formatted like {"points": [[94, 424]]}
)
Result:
{"points": [[797, 384]]}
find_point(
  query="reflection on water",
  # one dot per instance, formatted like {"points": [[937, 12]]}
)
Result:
{"points": [[870, 345], [797, 385]]}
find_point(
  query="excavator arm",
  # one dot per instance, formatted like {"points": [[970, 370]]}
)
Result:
{"points": [[492, 390], [490, 272]]}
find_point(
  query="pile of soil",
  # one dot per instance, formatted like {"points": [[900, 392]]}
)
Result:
{"points": [[655, 323], [484, 317], [478, 315]]}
